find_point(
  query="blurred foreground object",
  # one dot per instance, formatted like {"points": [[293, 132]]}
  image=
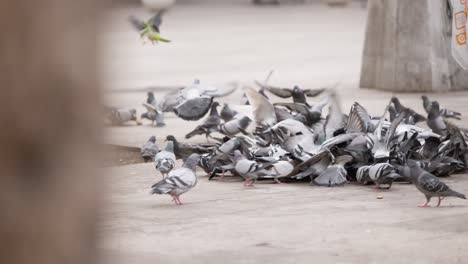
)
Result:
{"points": [[407, 48], [459, 11], [157, 5], [48, 186]]}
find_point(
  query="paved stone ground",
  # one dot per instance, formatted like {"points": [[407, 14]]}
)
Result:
{"points": [[309, 45]]}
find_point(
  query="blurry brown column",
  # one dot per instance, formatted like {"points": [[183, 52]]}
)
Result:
{"points": [[48, 130], [407, 48]]}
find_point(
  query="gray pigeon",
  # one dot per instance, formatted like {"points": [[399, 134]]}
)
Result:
{"points": [[412, 117], [444, 112], [210, 125], [435, 120], [429, 184], [178, 181], [165, 160], [194, 101], [380, 174], [120, 116], [279, 169], [227, 114], [154, 111], [248, 169], [236, 125], [183, 150], [334, 175], [149, 149]]}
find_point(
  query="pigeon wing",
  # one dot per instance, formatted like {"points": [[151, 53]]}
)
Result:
{"points": [[358, 120], [335, 119], [194, 109], [263, 110], [296, 107], [313, 92], [280, 92], [136, 23]]}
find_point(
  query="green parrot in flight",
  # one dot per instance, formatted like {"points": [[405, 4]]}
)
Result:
{"points": [[150, 28]]}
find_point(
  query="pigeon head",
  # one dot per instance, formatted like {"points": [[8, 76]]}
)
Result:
{"points": [[227, 113], [425, 98], [215, 104], [313, 117], [150, 98], [171, 138], [296, 89], [152, 139], [192, 161], [435, 108]]}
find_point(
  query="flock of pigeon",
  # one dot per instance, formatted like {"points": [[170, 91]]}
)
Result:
{"points": [[299, 141]]}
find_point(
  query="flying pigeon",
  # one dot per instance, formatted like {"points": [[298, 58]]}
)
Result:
{"points": [[149, 149], [298, 94], [179, 181], [210, 125], [165, 160], [149, 29], [262, 109], [194, 101]]}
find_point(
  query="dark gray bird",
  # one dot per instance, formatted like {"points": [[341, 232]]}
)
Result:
{"points": [[334, 175], [412, 117], [227, 114], [165, 160], [444, 112], [298, 94], [179, 181], [430, 185], [184, 150], [435, 120], [194, 101], [311, 114], [149, 149], [210, 125]]}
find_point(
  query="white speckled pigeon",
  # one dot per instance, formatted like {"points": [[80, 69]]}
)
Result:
{"points": [[179, 181], [165, 159]]}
